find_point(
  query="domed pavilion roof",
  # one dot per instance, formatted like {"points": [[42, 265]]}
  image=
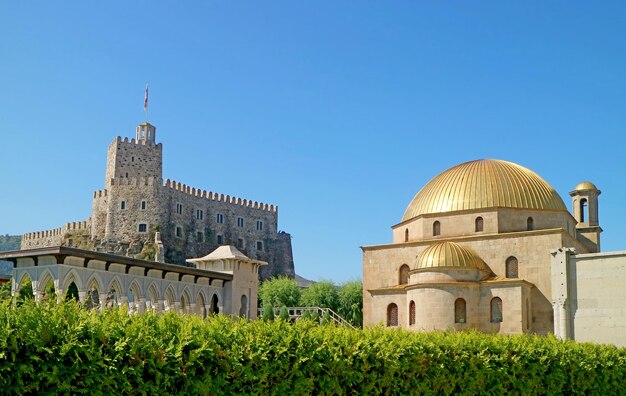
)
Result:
{"points": [[450, 255], [485, 183], [586, 185]]}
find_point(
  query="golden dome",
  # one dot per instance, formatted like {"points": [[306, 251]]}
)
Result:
{"points": [[585, 186], [450, 255], [485, 183]]}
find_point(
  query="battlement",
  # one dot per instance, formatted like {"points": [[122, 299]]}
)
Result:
{"points": [[219, 197], [134, 181], [60, 231], [100, 193], [126, 140]]}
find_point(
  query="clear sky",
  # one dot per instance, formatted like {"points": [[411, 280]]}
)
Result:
{"points": [[336, 111]]}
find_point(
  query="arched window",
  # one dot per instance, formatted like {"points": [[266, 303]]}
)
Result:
{"points": [[392, 315], [478, 224], [411, 313], [511, 268], [459, 311], [406, 235], [404, 274], [496, 310], [436, 228], [583, 210], [530, 224]]}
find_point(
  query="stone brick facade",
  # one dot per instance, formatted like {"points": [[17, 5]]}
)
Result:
{"points": [[136, 202]]}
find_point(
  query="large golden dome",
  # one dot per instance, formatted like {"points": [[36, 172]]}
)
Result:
{"points": [[450, 255], [485, 183]]}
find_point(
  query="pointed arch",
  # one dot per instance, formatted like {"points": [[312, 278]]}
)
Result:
{"points": [[169, 299], [72, 276], [47, 287], [152, 295], [25, 288], [134, 295], [243, 310], [114, 292], [215, 309], [185, 301], [201, 304], [94, 288]]}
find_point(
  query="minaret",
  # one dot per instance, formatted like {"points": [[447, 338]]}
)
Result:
{"points": [[585, 209]]}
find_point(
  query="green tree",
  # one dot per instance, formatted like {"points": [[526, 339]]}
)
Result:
{"points": [[321, 294], [280, 291], [351, 302], [26, 290], [268, 313], [284, 314]]}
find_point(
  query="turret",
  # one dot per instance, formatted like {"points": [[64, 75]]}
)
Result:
{"points": [[585, 210], [146, 133]]}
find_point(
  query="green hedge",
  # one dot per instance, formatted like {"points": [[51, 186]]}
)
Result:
{"points": [[64, 349]]}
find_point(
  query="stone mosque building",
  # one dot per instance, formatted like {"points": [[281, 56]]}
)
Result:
{"points": [[490, 245]]}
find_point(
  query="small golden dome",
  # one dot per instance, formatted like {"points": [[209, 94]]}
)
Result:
{"points": [[585, 186], [450, 255], [482, 184]]}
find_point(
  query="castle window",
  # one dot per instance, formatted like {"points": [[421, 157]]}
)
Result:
{"points": [[220, 239], [259, 245], [478, 224], [199, 214], [240, 243], [583, 210], [239, 221], [220, 218], [179, 208], [142, 227], [530, 224], [496, 310], [392, 315], [406, 235], [459, 311], [123, 205], [132, 159], [436, 228], [143, 205], [126, 174], [404, 274], [179, 231], [259, 225], [411, 313], [511, 267], [199, 236]]}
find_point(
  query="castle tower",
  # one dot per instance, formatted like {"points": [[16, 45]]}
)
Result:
{"points": [[585, 210], [139, 158]]}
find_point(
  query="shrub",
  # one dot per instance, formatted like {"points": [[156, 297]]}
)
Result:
{"points": [[63, 349], [326, 318], [280, 291]]}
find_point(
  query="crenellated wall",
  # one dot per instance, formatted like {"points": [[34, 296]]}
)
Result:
{"points": [[55, 236]]}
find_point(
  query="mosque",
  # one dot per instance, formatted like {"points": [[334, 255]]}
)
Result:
{"points": [[490, 245]]}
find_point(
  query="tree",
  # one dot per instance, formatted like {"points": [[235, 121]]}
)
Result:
{"points": [[321, 294], [284, 314], [268, 313], [280, 291], [351, 302]]}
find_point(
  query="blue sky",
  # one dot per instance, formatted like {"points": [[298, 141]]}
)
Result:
{"points": [[336, 111]]}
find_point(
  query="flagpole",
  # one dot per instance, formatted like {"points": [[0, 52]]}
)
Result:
{"points": [[145, 103]]}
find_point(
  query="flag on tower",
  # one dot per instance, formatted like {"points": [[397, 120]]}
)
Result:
{"points": [[145, 99]]}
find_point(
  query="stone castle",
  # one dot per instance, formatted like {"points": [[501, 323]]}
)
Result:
{"points": [[135, 204]]}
